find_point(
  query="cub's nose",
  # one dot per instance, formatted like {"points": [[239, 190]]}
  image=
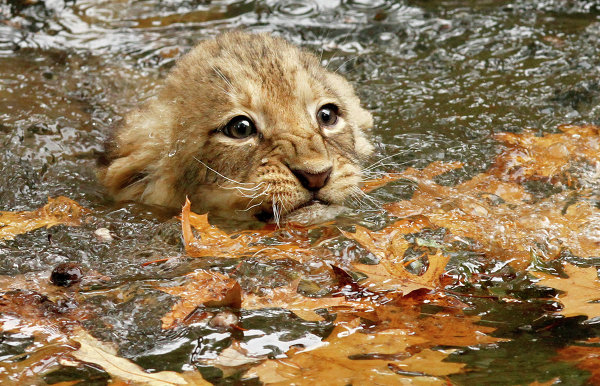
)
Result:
{"points": [[312, 181]]}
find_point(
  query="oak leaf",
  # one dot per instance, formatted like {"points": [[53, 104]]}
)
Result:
{"points": [[60, 210], [206, 288], [351, 356], [287, 297], [448, 327], [214, 242], [499, 215], [581, 290], [586, 357], [389, 245], [233, 358], [549, 157], [105, 355]]}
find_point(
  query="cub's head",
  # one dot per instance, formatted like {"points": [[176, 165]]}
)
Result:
{"points": [[246, 124]]}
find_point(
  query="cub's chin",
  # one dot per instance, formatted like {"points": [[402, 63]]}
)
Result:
{"points": [[308, 213], [245, 125], [314, 213]]}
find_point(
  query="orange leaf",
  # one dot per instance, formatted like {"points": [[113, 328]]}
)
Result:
{"points": [[351, 357], [581, 290], [214, 242], [495, 211], [585, 357], [206, 288], [287, 297], [60, 210], [389, 246]]}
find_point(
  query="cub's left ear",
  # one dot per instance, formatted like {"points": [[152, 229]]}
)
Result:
{"points": [[362, 145], [360, 119], [364, 119]]}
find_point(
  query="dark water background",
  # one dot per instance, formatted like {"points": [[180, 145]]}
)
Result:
{"points": [[440, 77]]}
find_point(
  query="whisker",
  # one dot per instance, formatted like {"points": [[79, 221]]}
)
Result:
{"points": [[219, 174], [222, 76], [384, 158], [248, 208]]}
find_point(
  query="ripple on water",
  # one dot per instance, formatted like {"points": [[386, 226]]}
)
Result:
{"points": [[296, 8]]}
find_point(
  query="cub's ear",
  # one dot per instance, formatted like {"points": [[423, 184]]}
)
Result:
{"points": [[133, 152]]}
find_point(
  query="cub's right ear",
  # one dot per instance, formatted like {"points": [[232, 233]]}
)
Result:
{"points": [[133, 152]]}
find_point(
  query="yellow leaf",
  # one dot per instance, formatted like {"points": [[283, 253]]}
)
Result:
{"points": [[60, 210], [104, 355], [214, 242], [206, 288], [287, 297], [349, 356], [389, 246], [581, 290]]}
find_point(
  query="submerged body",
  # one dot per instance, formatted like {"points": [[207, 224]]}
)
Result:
{"points": [[246, 124]]}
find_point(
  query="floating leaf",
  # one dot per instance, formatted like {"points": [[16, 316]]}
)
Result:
{"points": [[287, 297], [351, 356], [206, 288], [60, 210], [389, 245], [548, 157], [233, 358], [495, 211], [104, 355], [581, 290], [369, 186], [586, 357], [214, 242]]}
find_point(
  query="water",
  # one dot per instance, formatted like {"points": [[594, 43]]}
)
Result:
{"points": [[441, 77]]}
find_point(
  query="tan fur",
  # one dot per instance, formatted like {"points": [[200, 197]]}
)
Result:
{"points": [[157, 155]]}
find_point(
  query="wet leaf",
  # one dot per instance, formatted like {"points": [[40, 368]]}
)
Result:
{"points": [[233, 358], [496, 212], [287, 297], [214, 242], [449, 327], [581, 290], [549, 157], [389, 246], [202, 288], [104, 355], [60, 210], [31, 314], [352, 356], [586, 356], [370, 185]]}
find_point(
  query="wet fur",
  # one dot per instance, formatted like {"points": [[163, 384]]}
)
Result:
{"points": [[172, 147]]}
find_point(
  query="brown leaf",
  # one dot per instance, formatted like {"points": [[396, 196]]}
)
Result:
{"points": [[60, 210], [287, 297], [349, 356], [495, 210], [370, 185], [206, 288], [104, 355], [549, 157], [449, 327], [581, 290], [32, 314], [586, 357], [232, 359], [389, 245], [214, 242]]}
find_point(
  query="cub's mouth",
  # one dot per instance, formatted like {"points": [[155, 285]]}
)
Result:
{"points": [[311, 212], [269, 215]]}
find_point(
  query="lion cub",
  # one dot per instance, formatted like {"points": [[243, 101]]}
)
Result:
{"points": [[247, 125]]}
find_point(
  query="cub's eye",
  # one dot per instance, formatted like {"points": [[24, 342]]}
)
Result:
{"points": [[239, 127], [328, 115]]}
